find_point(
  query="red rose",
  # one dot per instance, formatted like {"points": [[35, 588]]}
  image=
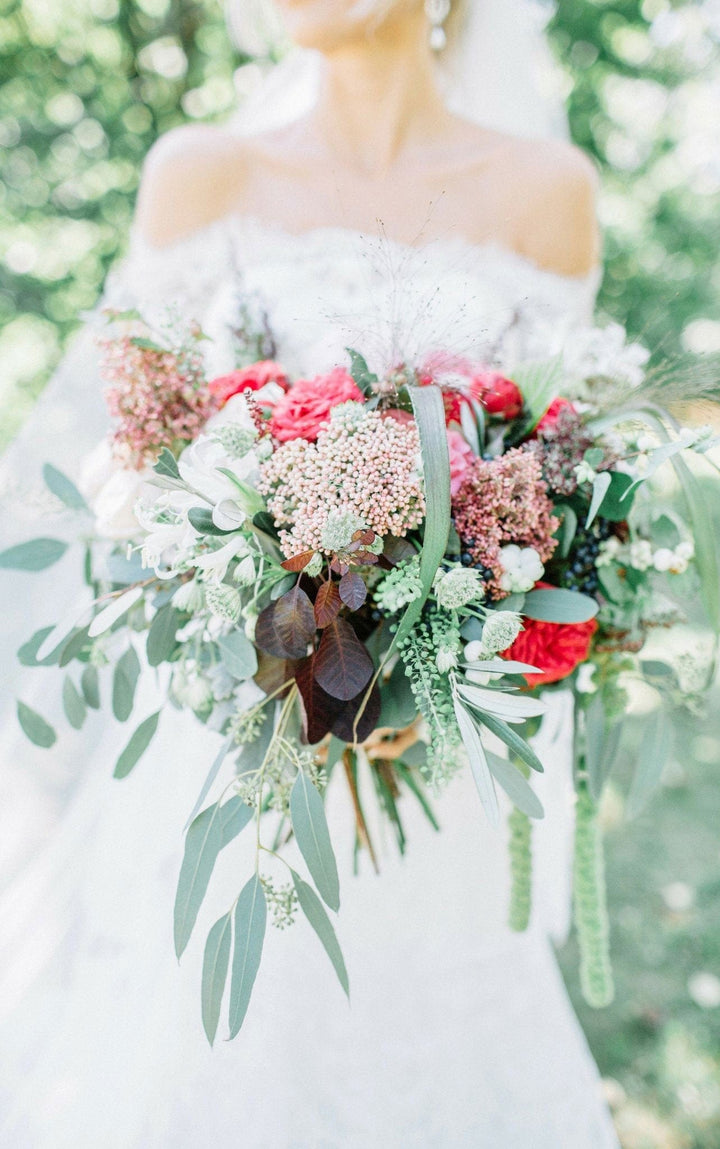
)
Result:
{"points": [[550, 417], [301, 413], [554, 647], [464, 380], [500, 396], [252, 378]]}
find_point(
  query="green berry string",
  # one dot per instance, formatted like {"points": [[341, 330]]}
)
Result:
{"points": [[520, 849], [591, 918]]}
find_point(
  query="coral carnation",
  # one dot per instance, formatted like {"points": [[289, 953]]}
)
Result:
{"points": [[461, 456], [301, 413], [554, 647]]}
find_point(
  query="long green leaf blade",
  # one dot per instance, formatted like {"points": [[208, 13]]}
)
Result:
{"points": [[216, 961], [125, 678], [517, 788], [309, 823], [250, 924], [512, 740], [478, 763], [314, 911], [652, 757], [212, 775], [73, 704], [430, 417]]}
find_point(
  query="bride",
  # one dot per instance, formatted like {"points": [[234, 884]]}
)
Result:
{"points": [[361, 192]]}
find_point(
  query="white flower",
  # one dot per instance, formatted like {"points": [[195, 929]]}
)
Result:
{"points": [[500, 630], [663, 559], [235, 412], [458, 587], [169, 543], [610, 549], [474, 651], [584, 473], [214, 564], [191, 690], [521, 568], [445, 660], [111, 492], [189, 597], [245, 571], [200, 463], [646, 441], [641, 555], [685, 550]]}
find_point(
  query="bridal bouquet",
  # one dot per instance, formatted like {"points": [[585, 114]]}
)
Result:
{"points": [[386, 571]]}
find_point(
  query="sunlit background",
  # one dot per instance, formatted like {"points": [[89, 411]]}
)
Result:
{"points": [[85, 88]]}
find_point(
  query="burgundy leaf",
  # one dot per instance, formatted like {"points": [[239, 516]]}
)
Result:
{"points": [[286, 627], [344, 724], [395, 549], [339, 567], [366, 557], [364, 537], [272, 673], [297, 562], [343, 666], [327, 603], [353, 591], [318, 708]]}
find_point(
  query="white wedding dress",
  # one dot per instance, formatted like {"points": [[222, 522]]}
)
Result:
{"points": [[458, 1033]]}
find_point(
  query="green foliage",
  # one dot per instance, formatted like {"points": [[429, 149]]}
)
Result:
{"points": [[640, 74], [520, 850], [591, 918]]}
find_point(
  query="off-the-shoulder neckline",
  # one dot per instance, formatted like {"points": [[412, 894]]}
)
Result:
{"points": [[239, 224]]}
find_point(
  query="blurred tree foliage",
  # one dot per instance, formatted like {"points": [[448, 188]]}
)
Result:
{"points": [[87, 85]]}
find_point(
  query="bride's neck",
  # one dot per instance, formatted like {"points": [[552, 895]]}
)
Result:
{"points": [[379, 96]]}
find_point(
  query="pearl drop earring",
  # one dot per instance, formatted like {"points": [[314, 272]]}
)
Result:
{"points": [[437, 12]]}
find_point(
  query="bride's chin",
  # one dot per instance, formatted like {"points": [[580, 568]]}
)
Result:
{"points": [[326, 25]]}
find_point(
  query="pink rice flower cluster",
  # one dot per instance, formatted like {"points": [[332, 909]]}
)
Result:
{"points": [[361, 464], [159, 396], [502, 501]]}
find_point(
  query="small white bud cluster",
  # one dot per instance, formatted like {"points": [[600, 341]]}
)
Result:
{"points": [[522, 567]]}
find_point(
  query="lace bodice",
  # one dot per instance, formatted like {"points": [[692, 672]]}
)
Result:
{"points": [[331, 288]]}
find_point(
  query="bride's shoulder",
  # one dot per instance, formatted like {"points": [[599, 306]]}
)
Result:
{"points": [[191, 176], [552, 188]]}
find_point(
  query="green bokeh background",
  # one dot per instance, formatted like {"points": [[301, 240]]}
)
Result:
{"points": [[85, 88]]}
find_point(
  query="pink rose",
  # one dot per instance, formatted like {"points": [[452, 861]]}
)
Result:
{"points": [[461, 456], [252, 378], [550, 417], [500, 396], [307, 405]]}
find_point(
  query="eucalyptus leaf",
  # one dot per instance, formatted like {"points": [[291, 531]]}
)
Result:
{"points": [[516, 786], [307, 813], [35, 555], [250, 925], [125, 678], [212, 775], [478, 762], [73, 704], [110, 614], [63, 488], [137, 746], [203, 843], [216, 961], [238, 655], [602, 741], [315, 913], [511, 707], [559, 605], [651, 761], [568, 527], [234, 817], [399, 707], [28, 652], [600, 487], [35, 727], [202, 520], [90, 686], [161, 640], [619, 497]]}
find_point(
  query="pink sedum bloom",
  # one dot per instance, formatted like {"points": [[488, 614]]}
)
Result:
{"points": [[302, 412]]}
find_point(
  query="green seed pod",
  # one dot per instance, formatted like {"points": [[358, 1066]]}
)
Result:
{"points": [[591, 917], [520, 870]]}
